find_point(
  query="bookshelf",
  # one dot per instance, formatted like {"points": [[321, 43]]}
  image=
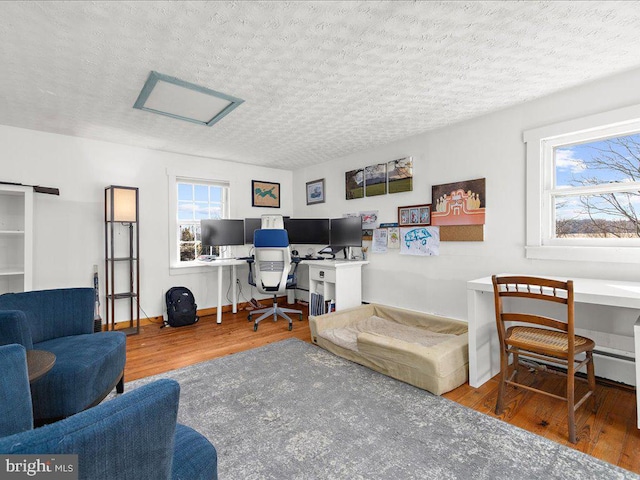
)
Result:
{"points": [[16, 238]]}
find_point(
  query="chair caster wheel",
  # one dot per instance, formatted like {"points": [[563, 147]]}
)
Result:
{"points": [[249, 318], [255, 327], [290, 327], [300, 317]]}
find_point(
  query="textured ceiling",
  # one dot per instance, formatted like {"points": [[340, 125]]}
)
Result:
{"points": [[319, 79]]}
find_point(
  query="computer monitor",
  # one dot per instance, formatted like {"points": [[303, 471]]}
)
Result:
{"points": [[220, 233], [307, 231], [250, 226], [346, 232]]}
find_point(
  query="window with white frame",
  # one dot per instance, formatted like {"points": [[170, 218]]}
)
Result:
{"points": [[584, 188], [197, 200], [595, 190]]}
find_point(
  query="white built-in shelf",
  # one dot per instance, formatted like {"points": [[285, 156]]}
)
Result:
{"points": [[16, 238], [8, 271]]}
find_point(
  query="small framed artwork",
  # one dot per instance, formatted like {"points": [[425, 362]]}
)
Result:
{"points": [[315, 192], [265, 194], [414, 215]]}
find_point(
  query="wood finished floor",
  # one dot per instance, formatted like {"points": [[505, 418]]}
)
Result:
{"points": [[610, 434]]}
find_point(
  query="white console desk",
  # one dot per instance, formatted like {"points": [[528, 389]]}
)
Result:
{"points": [[340, 280], [484, 361], [220, 264]]}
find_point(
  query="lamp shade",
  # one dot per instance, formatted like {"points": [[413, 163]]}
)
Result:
{"points": [[121, 204]]}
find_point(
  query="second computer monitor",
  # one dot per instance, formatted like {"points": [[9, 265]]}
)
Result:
{"points": [[346, 232], [222, 232], [307, 231], [250, 226]]}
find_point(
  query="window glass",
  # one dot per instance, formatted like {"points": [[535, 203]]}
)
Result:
{"points": [[197, 201], [185, 211], [185, 191], [613, 160], [604, 175], [202, 193], [606, 215], [215, 194]]}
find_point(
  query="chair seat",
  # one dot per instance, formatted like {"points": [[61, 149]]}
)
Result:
{"points": [[551, 341], [86, 366]]}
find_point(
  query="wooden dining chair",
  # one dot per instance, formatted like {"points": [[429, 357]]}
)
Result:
{"points": [[550, 340]]}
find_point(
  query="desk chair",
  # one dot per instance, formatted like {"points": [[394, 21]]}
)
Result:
{"points": [[555, 343], [271, 274]]}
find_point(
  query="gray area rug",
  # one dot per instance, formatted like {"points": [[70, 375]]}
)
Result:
{"points": [[291, 410]]}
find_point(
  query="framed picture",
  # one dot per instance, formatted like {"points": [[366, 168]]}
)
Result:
{"points": [[315, 192], [265, 194], [375, 180], [414, 215], [459, 203], [354, 184], [400, 175]]}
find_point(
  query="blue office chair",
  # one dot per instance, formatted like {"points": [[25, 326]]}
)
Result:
{"points": [[272, 273]]}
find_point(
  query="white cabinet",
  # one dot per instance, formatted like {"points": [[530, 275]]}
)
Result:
{"points": [[338, 280], [16, 238]]}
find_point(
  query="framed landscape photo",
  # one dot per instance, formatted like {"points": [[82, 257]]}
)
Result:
{"points": [[315, 191], [414, 215], [354, 184], [265, 194]]}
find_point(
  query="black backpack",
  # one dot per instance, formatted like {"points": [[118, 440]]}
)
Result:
{"points": [[181, 307]]}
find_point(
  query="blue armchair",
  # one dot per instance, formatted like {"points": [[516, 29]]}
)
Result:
{"points": [[134, 436], [88, 365]]}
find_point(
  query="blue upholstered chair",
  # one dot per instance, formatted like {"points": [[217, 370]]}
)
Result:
{"points": [[133, 436], [271, 273], [88, 365]]}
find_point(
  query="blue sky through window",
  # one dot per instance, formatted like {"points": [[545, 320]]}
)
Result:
{"points": [[596, 163], [577, 164]]}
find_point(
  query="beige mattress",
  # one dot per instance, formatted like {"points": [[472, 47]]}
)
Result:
{"points": [[427, 351]]}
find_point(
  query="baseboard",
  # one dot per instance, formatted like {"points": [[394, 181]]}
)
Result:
{"points": [[204, 312]]}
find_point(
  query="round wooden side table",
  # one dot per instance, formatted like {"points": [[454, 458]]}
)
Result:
{"points": [[39, 362]]}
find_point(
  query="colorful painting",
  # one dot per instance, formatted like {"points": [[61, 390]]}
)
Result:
{"points": [[315, 192], [265, 194], [459, 203], [354, 184], [400, 175], [421, 241], [375, 180]]}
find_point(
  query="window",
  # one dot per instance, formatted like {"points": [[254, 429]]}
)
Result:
{"points": [[583, 182], [197, 200], [595, 193]]}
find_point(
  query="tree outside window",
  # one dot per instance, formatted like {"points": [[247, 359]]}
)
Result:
{"points": [[596, 191]]}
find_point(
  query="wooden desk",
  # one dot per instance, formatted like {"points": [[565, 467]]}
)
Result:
{"points": [[220, 264], [484, 361], [39, 362]]}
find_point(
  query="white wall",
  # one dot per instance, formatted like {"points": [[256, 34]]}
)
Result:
{"points": [[69, 229], [491, 147]]}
